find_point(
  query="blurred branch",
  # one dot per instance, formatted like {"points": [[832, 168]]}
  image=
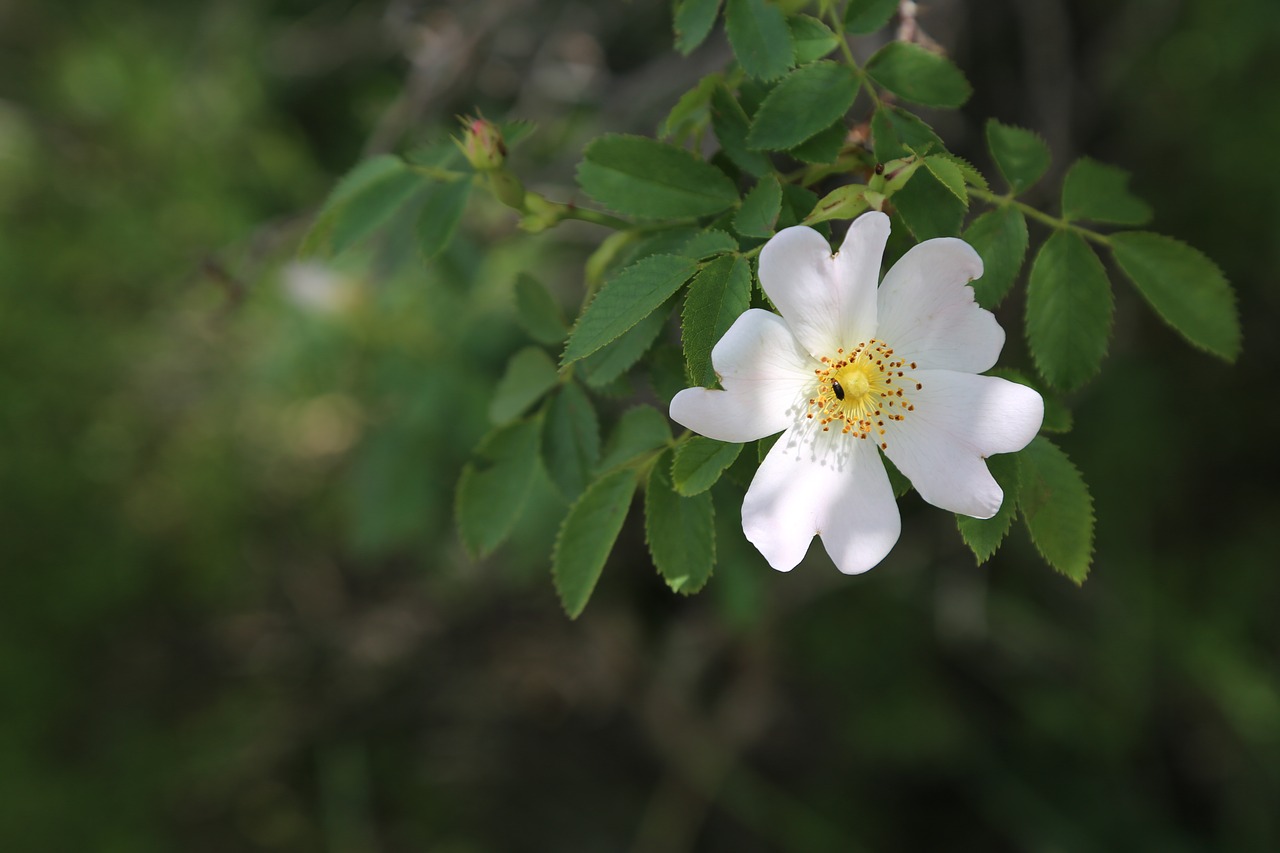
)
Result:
{"points": [[1046, 47], [703, 747], [439, 56]]}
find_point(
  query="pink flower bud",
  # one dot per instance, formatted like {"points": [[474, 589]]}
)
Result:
{"points": [[482, 144]]}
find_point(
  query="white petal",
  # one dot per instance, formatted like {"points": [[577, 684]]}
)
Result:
{"points": [[837, 488], [858, 265], [828, 301], [927, 313], [862, 527], [759, 347], [728, 416], [959, 420], [765, 374]]}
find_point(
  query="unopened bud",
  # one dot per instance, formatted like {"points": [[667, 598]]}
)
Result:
{"points": [[482, 144]]}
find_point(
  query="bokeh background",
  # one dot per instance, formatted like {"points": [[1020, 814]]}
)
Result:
{"points": [[234, 614]]}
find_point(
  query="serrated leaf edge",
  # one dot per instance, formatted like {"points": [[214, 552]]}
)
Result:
{"points": [[649, 545], [1036, 356], [1231, 291], [469, 468], [578, 321], [1093, 538], [680, 450], [555, 550], [1017, 191]]}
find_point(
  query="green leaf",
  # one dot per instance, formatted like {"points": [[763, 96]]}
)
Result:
{"points": [[731, 125], [707, 243], [765, 445], [841, 203], [752, 92], [515, 131], [530, 374], [759, 212], [898, 133], [625, 300], [1100, 193], [587, 536], [867, 16], [812, 38], [897, 480], [915, 74], [1069, 311], [1020, 155], [1056, 507], [823, 147], [443, 153], [693, 22], [699, 462], [972, 176], [363, 200], [984, 535], [760, 38], [609, 362], [639, 431], [1000, 238], [650, 179], [495, 485], [718, 295], [663, 241], [797, 202], [611, 253], [692, 111], [1185, 288], [537, 311], [743, 469], [928, 207], [571, 440], [666, 371], [949, 175], [442, 207], [805, 102], [680, 532]]}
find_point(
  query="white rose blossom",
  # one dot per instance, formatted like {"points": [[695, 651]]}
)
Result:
{"points": [[850, 370]]}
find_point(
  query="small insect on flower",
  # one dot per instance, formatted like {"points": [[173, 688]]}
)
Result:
{"points": [[899, 364]]}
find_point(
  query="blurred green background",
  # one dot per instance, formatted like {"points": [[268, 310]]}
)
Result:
{"points": [[234, 614]]}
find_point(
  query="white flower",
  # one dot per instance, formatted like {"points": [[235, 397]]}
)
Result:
{"points": [[849, 371], [317, 288]]}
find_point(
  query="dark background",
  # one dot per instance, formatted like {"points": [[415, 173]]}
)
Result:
{"points": [[234, 614]]}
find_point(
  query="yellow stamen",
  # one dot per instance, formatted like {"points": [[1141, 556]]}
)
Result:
{"points": [[855, 387]]}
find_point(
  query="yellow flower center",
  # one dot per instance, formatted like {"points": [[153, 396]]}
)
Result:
{"points": [[858, 391]]}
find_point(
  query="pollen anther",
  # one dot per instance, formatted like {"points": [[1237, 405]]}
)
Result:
{"points": [[855, 386]]}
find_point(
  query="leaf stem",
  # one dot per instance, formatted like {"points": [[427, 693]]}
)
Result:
{"points": [[1038, 215], [837, 21], [585, 214]]}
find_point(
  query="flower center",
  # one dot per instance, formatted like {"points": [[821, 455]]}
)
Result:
{"points": [[860, 390]]}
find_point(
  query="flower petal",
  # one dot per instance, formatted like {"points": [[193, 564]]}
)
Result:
{"points": [[927, 313], [835, 487], [958, 421], [858, 267], [828, 301], [728, 416], [765, 374], [759, 347]]}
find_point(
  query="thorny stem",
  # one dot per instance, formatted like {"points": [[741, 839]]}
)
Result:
{"points": [[1038, 215]]}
